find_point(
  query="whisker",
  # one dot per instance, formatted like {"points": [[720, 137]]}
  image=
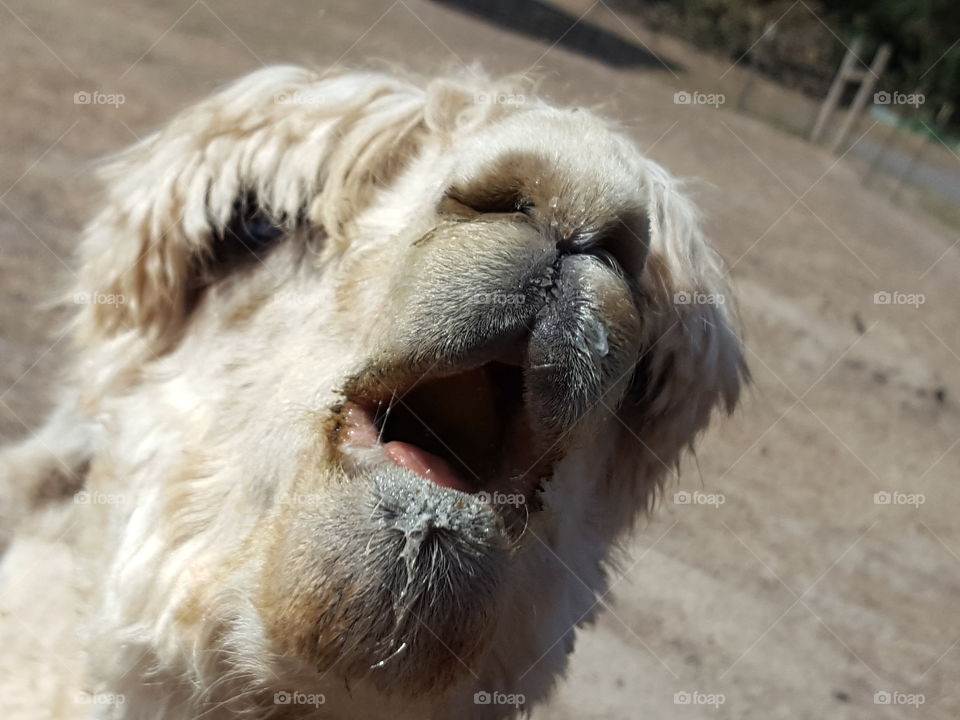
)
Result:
{"points": [[386, 416]]}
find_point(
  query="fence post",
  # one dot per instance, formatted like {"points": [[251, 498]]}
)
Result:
{"points": [[836, 88], [868, 81]]}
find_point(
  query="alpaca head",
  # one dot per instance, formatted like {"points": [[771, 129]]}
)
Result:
{"points": [[384, 360]]}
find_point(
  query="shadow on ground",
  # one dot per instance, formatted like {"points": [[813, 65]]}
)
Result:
{"points": [[558, 27]]}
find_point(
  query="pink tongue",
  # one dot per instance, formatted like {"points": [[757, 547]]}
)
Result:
{"points": [[425, 464]]}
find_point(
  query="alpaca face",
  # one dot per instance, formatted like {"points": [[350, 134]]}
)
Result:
{"points": [[376, 385], [504, 335]]}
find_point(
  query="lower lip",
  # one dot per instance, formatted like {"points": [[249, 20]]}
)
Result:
{"points": [[427, 465]]}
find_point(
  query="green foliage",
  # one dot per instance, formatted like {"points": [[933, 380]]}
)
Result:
{"points": [[809, 40], [924, 35]]}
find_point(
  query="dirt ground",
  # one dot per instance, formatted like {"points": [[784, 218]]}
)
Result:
{"points": [[784, 589]]}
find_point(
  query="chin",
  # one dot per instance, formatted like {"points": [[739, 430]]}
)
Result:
{"points": [[389, 373]]}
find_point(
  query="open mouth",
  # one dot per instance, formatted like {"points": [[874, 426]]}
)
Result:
{"points": [[467, 431]]}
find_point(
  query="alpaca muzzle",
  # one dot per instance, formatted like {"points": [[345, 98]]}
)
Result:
{"points": [[484, 379]]}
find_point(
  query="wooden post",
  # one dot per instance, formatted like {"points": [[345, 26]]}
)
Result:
{"points": [[836, 88], [864, 92]]}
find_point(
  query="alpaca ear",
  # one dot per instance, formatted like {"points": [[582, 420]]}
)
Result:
{"points": [[691, 359], [462, 103], [278, 148]]}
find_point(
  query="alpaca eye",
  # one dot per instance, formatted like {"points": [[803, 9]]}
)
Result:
{"points": [[260, 230], [249, 234], [488, 201]]}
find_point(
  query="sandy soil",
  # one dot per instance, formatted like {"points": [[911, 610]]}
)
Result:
{"points": [[797, 597]]}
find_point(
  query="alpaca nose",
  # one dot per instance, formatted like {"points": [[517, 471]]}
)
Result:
{"points": [[581, 343]]}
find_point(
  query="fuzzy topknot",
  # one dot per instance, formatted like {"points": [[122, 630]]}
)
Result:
{"points": [[309, 147]]}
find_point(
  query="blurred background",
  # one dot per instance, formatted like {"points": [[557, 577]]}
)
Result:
{"points": [[807, 565]]}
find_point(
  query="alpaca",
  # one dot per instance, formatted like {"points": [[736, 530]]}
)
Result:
{"points": [[370, 374]]}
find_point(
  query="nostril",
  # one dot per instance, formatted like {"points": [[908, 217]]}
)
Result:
{"points": [[622, 246], [567, 245], [570, 241]]}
